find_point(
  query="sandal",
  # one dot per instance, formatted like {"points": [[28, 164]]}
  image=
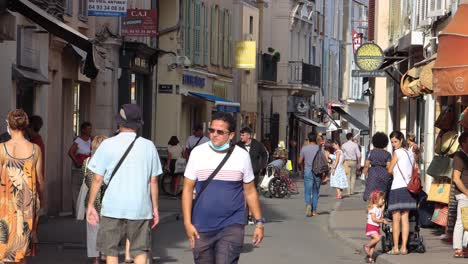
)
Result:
{"points": [[370, 260], [393, 252], [458, 254], [404, 252]]}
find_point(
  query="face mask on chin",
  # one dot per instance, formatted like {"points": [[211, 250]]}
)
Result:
{"points": [[220, 148]]}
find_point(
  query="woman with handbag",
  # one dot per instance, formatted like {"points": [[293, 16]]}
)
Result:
{"points": [[91, 231], [400, 201], [174, 152], [460, 178], [375, 168]]}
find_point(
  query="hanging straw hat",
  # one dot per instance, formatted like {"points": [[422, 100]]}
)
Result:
{"points": [[426, 75]]}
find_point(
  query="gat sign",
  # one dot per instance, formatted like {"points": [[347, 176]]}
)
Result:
{"points": [[140, 23], [108, 8]]}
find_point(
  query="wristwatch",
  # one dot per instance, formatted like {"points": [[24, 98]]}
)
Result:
{"points": [[260, 220]]}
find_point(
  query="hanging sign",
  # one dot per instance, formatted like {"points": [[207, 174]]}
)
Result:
{"points": [[140, 23], [246, 54], [369, 57], [109, 8]]}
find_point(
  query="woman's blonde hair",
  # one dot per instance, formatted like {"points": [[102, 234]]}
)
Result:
{"points": [[374, 198], [97, 140]]}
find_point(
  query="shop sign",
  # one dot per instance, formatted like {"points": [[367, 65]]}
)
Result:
{"points": [[109, 8], [193, 80], [377, 73], [165, 88], [140, 23], [369, 57], [246, 54]]}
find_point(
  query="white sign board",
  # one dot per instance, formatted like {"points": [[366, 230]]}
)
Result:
{"points": [[108, 8]]}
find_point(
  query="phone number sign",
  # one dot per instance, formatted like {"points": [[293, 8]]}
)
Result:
{"points": [[110, 8]]}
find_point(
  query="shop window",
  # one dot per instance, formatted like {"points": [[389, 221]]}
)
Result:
{"points": [[68, 6], [133, 91], [83, 10], [25, 96], [76, 109]]}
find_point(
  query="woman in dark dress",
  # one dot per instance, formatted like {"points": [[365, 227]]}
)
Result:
{"points": [[375, 169]]}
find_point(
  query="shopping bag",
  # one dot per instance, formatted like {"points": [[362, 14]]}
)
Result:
{"points": [[440, 215], [441, 166], [464, 217], [80, 202], [289, 166], [180, 165], [439, 192]]}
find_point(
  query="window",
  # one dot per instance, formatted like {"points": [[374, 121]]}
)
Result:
{"points": [[214, 35], [83, 10], [205, 34], [76, 109], [226, 38], [220, 36], [251, 25], [197, 33], [68, 6], [188, 27]]}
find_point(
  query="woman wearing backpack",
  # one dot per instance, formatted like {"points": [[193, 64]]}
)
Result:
{"points": [[338, 175]]}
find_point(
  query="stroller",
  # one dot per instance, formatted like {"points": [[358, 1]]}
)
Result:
{"points": [[272, 184], [415, 239]]}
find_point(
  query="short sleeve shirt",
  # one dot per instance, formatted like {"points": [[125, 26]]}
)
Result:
{"points": [[378, 214], [128, 196], [460, 164], [222, 203], [308, 152]]}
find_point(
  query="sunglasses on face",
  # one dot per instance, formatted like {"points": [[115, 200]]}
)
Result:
{"points": [[219, 132]]}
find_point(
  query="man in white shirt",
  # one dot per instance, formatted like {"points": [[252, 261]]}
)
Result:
{"points": [[352, 161], [195, 140]]}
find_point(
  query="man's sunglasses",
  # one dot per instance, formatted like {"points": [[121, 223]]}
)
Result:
{"points": [[219, 132]]}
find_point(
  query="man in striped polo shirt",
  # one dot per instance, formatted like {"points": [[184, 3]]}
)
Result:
{"points": [[215, 226]]}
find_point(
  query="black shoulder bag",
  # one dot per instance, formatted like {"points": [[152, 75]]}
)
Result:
{"points": [[213, 174], [105, 186]]}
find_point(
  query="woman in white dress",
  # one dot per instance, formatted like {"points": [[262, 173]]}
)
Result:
{"points": [[338, 175]]}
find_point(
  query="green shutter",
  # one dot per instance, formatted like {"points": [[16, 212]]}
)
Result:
{"points": [[213, 35], [220, 36], [197, 33], [205, 35], [226, 39], [187, 27], [231, 43]]}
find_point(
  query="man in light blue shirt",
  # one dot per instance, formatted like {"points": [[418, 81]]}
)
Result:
{"points": [[131, 197]]}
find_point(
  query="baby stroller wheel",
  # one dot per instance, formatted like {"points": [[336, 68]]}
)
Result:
{"points": [[387, 244], [278, 187]]}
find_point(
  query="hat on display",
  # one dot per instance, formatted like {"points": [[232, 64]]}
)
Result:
{"points": [[129, 116]]}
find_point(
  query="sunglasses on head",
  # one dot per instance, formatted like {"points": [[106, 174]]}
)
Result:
{"points": [[219, 132]]}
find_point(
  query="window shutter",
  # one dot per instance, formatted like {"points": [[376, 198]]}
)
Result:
{"points": [[205, 35], [220, 36], [226, 39], [187, 27], [197, 33], [213, 35], [231, 43]]}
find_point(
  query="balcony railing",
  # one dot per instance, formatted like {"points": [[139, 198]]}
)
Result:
{"points": [[268, 68], [303, 73]]}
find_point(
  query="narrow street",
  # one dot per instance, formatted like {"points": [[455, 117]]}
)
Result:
{"points": [[290, 237]]}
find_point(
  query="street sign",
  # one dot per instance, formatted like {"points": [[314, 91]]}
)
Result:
{"points": [[369, 57], [109, 8], [165, 88], [377, 73]]}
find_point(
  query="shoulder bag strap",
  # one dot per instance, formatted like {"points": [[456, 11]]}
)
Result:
{"points": [[198, 142], [122, 160], [213, 174]]}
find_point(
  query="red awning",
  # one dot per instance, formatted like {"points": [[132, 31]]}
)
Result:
{"points": [[451, 66]]}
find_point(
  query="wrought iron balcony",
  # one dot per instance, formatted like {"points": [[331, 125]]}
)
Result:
{"points": [[268, 68], [53, 7], [303, 73]]}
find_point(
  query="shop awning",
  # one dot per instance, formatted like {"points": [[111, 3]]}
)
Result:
{"points": [[222, 104], [59, 29], [310, 122], [353, 121], [25, 74], [451, 66]]}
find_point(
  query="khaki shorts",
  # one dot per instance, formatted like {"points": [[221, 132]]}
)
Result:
{"points": [[112, 231]]}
